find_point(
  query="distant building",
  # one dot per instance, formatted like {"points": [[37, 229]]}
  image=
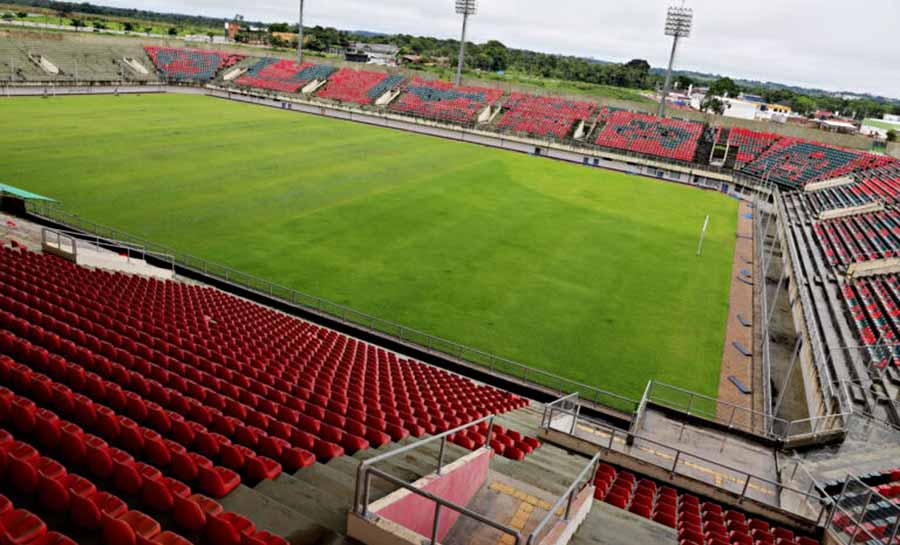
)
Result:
{"points": [[383, 54], [750, 107], [880, 127]]}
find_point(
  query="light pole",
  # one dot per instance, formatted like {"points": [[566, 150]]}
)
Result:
{"points": [[678, 25], [300, 36], [464, 8]]}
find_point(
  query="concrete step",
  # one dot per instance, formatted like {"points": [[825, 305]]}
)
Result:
{"points": [[269, 514], [325, 507]]}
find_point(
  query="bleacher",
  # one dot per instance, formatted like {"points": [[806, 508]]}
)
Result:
{"points": [[543, 117], [190, 65], [874, 307], [651, 135], [283, 75], [793, 162], [749, 144], [697, 522], [358, 86], [855, 239], [443, 101], [175, 394], [88, 62]]}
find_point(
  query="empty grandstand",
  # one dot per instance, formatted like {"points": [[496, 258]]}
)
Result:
{"points": [[226, 409], [443, 101], [190, 65], [648, 134], [282, 75], [543, 117], [358, 86]]}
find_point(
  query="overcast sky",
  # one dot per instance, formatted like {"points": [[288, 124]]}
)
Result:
{"points": [[830, 44]]}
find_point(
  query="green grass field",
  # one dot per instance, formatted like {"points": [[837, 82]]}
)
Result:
{"points": [[583, 272]]}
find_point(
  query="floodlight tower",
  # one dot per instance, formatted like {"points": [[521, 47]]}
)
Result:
{"points": [[678, 25], [464, 8], [300, 36]]}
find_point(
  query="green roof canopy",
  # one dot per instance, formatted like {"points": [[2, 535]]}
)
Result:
{"points": [[22, 194]]}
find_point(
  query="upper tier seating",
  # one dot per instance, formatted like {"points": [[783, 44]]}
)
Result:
{"points": [[882, 183], [543, 116], [190, 65], [260, 388], [749, 144], [358, 86], [706, 523], [651, 135], [854, 239], [874, 306], [444, 101], [793, 163], [283, 75], [84, 62]]}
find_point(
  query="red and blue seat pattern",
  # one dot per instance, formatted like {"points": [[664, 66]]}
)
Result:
{"points": [[283, 75], [651, 135], [444, 101], [859, 238], [697, 522], [190, 65], [543, 116], [358, 86], [793, 162], [874, 306], [881, 184], [749, 144]]}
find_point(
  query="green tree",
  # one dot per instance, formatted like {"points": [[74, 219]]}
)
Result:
{"points": [[724, 87], [713, 104], [173, 31], [683, 82], [128, 27], [78, 23], [22, 14], [99, 25], [279, 27], [892, 135], [7, 16], [803, 105]]}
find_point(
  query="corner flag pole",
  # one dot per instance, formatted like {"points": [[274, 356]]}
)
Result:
{"points": [[702, 236]]}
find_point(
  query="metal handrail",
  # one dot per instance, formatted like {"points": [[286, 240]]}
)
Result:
{"points": [[681, 454], [568, 496], [429, 343]]}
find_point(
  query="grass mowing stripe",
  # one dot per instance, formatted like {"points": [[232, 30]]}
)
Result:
{"points": [[583, 272]]}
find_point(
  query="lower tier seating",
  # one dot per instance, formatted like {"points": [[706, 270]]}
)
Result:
{"points": [[749, 144], [874, 307], [444, 101], [358, 86], [190, 65], [651, 135], [283, 75], [543, 116], [697, 522]]}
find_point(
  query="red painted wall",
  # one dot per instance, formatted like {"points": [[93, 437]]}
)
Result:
{"points": [[458, 485]]}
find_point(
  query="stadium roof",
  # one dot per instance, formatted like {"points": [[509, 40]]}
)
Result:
{"points": [[22, 194]]}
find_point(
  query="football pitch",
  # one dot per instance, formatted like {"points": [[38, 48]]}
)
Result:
{"points": [[582, 272]]}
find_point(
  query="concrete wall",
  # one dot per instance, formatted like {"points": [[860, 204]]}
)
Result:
{"points": [[458, 483]]}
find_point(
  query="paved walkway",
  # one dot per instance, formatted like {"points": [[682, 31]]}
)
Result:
{"points": [[740, 301]]}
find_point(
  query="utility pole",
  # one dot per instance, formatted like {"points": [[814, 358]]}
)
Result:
{"points": [[300, 36], [678, 25], [464, 8]]}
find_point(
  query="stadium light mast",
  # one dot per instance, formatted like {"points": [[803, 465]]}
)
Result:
{"points": [[300, 36], [678, 25], [464, 8]]}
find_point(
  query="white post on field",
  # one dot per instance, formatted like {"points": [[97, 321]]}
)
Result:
{"points": [[702, 236]]}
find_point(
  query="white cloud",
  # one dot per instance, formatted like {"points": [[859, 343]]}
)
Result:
{"points": [[820, 43]]}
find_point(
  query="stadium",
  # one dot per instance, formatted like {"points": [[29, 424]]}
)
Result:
{"points": [[249, 300]]}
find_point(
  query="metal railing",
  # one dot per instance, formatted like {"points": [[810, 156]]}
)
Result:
{"points": [[492, 363], [862, 515], [812, 506], [365, 472], [742, 418]]}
